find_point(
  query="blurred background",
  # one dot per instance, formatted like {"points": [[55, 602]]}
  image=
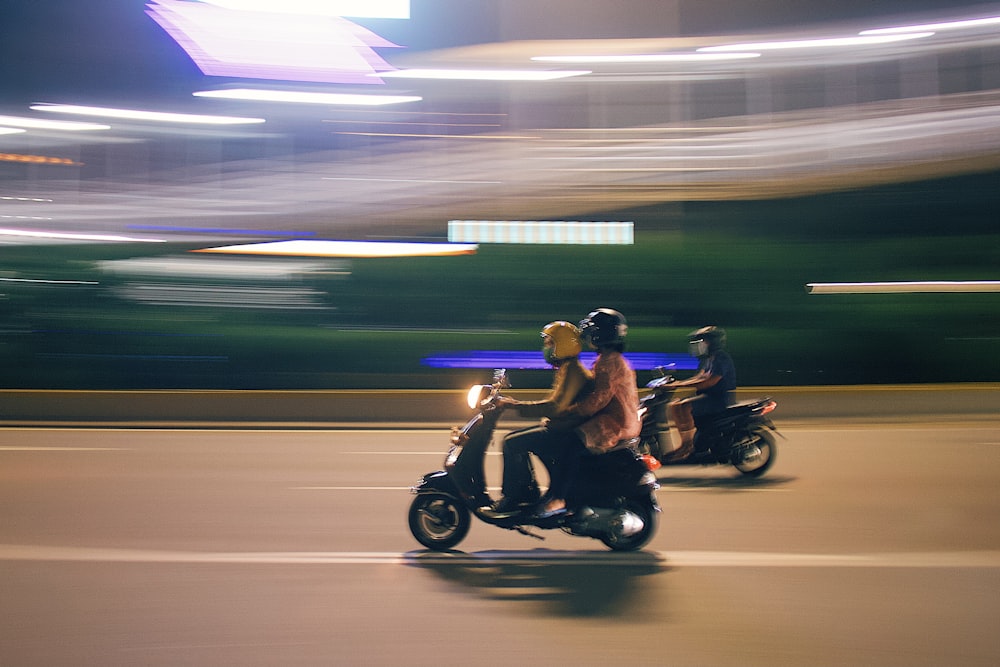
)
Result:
{"points": [[255, 195]]}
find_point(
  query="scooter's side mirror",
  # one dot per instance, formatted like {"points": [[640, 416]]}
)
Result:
{"points": [[500, 378], [662, 381]]}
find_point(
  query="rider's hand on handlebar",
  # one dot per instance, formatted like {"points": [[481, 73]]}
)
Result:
{"points": [[507, 402]]}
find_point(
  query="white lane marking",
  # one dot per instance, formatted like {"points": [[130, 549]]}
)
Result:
{"points": [[667, 559], [351, 488], [26, 448]]}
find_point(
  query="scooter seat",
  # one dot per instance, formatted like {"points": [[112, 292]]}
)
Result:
{"points": [[629, 443], [731, 413]]}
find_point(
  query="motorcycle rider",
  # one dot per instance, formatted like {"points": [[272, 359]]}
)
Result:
{"points": [[549, 439], [715, 383], [611, 408]]}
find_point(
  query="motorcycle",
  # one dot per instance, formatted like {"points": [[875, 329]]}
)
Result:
{"points": [[612, 497], [740, 436]]}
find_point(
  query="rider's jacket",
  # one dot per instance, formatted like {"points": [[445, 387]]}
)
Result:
{"points": [[613, 405], [570, 381]]}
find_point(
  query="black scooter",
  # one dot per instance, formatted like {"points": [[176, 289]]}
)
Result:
{"points": [[612, 498], [740, 436]]}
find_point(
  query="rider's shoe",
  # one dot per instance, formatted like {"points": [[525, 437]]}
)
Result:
{"points": [[507, 507], [685, 450], [552, 509]]}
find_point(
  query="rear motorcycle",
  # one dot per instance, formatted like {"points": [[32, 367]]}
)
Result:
{"points": [[741, 436], [612, 498]]}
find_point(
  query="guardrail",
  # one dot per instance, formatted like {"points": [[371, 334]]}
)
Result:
{"points": [[189, 408]]}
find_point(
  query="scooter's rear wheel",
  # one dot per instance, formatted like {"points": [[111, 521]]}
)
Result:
{"points": [[635, 541], [438, 520], [762, 458]]}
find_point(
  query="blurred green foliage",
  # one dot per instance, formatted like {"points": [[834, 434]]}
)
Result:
{"points": [[742, 265]]}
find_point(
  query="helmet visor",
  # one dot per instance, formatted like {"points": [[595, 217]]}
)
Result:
{"points": [[698, 347]]}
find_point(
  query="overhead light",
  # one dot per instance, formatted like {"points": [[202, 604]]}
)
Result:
{"points": [[285, 41], [42, 124], [645, 58], [905, 287], [154, 116], [301, 248], [482, 74], [948, 25], [824, 42], [11, 130], [305, 97]]}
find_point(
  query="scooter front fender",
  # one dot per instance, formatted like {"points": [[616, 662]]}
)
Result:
{"points": [[439, 480]]}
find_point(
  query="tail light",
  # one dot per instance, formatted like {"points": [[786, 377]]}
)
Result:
{"points": [[651, 462], [768, 407]]}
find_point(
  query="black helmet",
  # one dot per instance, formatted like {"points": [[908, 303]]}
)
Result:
{"points": [[604, 326], [706, 340]]}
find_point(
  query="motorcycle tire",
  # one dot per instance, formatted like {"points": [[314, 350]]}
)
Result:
{"points": [[438, 520], [764, 441], [650, 518]]}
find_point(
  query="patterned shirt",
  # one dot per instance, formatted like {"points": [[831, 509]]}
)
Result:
{"points": [[613, 405]]}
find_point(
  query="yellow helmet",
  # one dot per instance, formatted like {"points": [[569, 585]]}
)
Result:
{"points": [[565, 339]]}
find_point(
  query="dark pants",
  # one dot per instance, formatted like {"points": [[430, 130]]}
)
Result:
{"points": [[560, 451]]}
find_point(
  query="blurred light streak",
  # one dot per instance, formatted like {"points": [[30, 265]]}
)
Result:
{"points": [[949, 286], [823, 42], [639, 58], [404, 135], [225, 296], [284, 45], [153, 116], [301, 248], [11, 130], [228, 268], [418, 186], [219, 230], [541, 232], [27, 199], [42, 124], [533, 360], [49, 282], [946, 25], [411, 124], [305, 97], [372, 9], [31, 233], [37, 159], [483, 74], [408, 180]]}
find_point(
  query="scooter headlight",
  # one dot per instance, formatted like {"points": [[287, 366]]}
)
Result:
{"points": [[477, 394]]}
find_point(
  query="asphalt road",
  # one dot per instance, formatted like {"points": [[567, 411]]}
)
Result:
{"points": [[864, 545]]}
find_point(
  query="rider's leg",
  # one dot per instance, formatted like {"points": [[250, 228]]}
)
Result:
{"points": [[518, 487], [564, 450], [682, 416]]}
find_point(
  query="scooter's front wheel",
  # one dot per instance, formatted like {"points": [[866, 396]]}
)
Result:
{"points": [[439, 520]]}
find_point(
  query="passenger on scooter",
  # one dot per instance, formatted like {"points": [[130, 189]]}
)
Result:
{"points": [[549, 439], [714, 383], [611, 409]]}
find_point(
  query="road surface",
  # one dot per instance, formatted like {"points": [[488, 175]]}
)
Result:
{"points": [[865, 544]]}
